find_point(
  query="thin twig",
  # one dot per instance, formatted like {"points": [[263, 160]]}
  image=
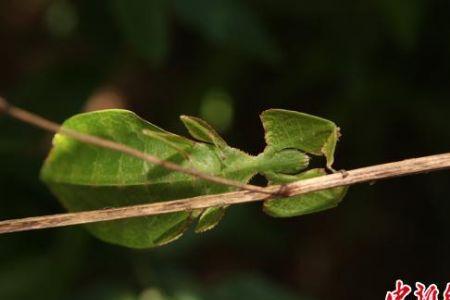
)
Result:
{"points": [[45, 124], [367, 174]]}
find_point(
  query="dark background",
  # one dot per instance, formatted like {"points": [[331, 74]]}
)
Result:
{"points": [[380, 69]]}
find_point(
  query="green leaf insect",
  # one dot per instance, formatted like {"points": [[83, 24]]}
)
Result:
{"points": [[86, 177]]}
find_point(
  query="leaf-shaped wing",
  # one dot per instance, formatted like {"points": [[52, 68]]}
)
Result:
{"points": [[85, 177]]}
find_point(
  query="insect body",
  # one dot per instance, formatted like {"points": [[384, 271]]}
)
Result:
{"points": [[85, 177]]}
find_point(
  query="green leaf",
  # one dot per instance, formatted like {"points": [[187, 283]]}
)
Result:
{"points": [[304, 204], [144, 24], [291, 129], [85, 177]]}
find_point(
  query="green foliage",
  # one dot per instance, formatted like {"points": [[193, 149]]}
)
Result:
{"points": [[144, 25], [85, 177], [229, 22]]}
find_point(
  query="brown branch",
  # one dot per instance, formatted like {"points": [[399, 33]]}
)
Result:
{"points": [[45, 124], [367, 174]]}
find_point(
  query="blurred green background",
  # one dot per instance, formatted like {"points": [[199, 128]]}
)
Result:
{"points": [[380, 69]]}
